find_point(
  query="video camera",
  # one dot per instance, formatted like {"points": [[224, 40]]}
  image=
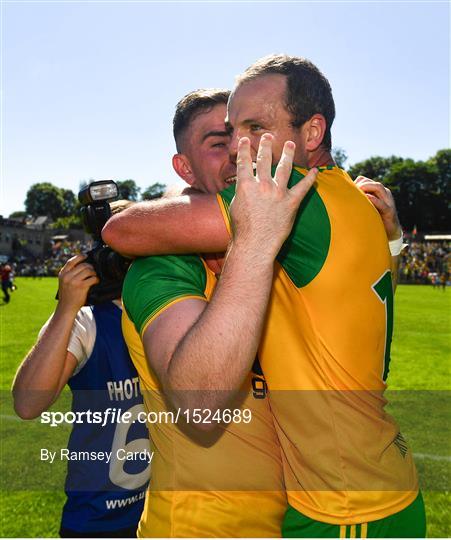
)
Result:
{"points": [[110, 267]]}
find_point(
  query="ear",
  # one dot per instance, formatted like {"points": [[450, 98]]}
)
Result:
{"points": [[315, 129], [182, 167]]}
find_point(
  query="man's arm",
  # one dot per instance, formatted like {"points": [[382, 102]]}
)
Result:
{"points": [[48, 366], [202, 352], [192, 222], [382, 199], [189, 223]]}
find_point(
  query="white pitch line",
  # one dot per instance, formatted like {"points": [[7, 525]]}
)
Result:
{"points": [[432, 456]]}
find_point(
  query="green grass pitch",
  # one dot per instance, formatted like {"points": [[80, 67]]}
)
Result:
{"points": [[419, 395]]}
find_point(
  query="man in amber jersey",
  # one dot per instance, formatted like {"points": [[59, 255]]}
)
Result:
{"points": [[323, 329], [224, 482]]}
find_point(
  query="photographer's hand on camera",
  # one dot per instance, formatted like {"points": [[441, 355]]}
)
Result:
{"points": [[75, 279]]}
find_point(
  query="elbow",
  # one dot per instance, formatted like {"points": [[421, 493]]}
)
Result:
{"points": [[206, 427], [25, 412], [201, 410], [114, 235], [24, 406]]}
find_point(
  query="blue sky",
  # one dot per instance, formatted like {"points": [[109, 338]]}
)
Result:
{"points": [[89, 88]]}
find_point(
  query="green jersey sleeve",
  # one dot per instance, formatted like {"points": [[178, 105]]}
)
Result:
{"points": [[153, 283], [304, 252], [225, 198]]}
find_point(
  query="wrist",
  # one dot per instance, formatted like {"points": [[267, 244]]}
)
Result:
{"points": [[397, 245], [67, 309], [252, 253], [394, 230]]}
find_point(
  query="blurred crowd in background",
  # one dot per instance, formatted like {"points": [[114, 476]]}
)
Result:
{"points": [[425, 263], [421, 262], [50, 266]]}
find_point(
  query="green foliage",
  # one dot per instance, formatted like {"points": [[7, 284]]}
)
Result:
{"points": [[414, 187], [18, 214], [70, 202], [442, 163], [45, 199], [340, 156], [128, 190], [70, 222], [155, 191], [375, 167], [419, 187]]}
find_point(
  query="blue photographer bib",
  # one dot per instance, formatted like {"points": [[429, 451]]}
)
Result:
{"points": [[107, 479]]}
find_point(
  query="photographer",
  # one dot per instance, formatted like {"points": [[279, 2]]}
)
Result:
{"points": [[83, 346]]}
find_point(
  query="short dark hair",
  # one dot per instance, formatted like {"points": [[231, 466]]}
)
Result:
{"points": [[308, 90], [118, 206], [193, 104]]}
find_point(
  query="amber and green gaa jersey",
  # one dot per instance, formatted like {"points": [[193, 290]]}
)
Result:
{"points": [[325, 356], [225, 483]]}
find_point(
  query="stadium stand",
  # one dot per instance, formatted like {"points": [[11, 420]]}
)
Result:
{"points": [[50, 265], [422, 262], [425, 263]]}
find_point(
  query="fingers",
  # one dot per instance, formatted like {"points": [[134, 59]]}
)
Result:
{"points": [[384, 202], [72, 274], [285, 166], [366, 184], [361, 179], [264, 158], [376, 189], [379, 193], [377, 203], [90, 281], [80, 268], [373, 187], [72, 262], [77, 274], [300, 190], [244, 168], [85, 273]]}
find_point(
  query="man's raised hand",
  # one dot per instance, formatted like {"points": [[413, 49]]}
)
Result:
{"points": [[264, 209]]}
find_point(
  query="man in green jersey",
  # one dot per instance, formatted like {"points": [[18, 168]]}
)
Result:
{"points": [[230, 482], [237, 307]]}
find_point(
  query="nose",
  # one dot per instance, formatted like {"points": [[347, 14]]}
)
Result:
{"points": [[233, 146]]}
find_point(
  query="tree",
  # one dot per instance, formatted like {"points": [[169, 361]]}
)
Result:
{"points": [[375, 167], [70, 202], [419, 187], [155, 191], [413, 184], [340, 156], [442, 162], [18, 214], [69, 222], [128, 190], [44, 199]]}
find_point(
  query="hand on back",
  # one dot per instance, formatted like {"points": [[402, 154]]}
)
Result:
{"points": [[383, 201]]}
